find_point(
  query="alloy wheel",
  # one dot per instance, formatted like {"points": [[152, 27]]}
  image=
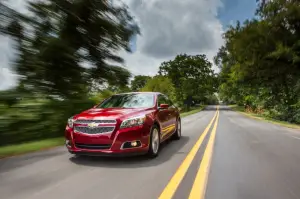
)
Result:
{"points": [[155, 141]]}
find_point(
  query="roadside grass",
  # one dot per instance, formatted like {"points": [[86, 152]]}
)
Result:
{"points": [[241, 109], [196, 110], [19, 149]]}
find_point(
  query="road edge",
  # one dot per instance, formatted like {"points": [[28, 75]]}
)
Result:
{"points": [[192, 112], [261, 118], [41, 148]]}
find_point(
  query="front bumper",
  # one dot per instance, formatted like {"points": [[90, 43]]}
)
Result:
{"points": [[115, 144]]}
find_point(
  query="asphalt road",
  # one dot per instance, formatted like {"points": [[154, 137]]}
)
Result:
{"points": [[239, 158]]}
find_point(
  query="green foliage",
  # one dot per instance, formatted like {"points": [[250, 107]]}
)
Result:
{"points": [[192, 76], [99, 97], [139, 82], [35, 119], [59, 37], [211, 100], [260, 61], [160, 84]]}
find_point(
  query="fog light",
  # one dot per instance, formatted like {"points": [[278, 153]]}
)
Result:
{"points": [[134, 143], [131, 144]]}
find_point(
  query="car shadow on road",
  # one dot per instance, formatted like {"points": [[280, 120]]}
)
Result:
{"points": [[168, 149]]}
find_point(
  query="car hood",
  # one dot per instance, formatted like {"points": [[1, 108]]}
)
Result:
{"points": [[109, 113]]}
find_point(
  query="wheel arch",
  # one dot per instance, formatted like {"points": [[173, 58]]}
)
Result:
{"points": [[179, 118], [156, 123]]}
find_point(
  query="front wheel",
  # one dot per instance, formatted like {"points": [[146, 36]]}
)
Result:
{"points": [[177, 134], [154, 144]]}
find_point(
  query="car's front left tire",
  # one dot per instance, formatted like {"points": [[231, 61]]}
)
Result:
{"points": [[154, 144]]}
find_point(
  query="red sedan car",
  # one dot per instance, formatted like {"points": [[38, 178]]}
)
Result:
{"points": [[124, 124]]}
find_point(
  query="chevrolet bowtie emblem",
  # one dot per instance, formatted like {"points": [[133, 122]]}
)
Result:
{"points": [[92, 125]]}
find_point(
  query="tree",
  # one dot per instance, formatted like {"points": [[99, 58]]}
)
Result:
{"points": [[192, 76], [260, 60], [160, 84], [62, 36], [66, 51], [139, 82], [102, 95]]}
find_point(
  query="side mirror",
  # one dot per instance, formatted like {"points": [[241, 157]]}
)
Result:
{"points": [[164, 106]]}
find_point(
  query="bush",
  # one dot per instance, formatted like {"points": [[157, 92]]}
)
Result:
{"points": [[34, 119], [284, 113]]}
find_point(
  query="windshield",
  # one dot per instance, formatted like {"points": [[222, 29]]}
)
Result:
{"points": [[132, 100]]}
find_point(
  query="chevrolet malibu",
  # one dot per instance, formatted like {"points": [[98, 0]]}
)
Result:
{"points": [[124, 124]]}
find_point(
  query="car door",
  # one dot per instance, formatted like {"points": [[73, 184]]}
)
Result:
{"points": [[163, 116]]}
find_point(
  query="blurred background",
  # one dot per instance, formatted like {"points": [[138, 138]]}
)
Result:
{"points": [[67, 60]]}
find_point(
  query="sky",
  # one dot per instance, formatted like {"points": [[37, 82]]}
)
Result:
{"points": [[168, 28]]}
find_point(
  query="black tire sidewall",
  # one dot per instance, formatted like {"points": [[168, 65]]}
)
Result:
{"points": [[176, 136]]}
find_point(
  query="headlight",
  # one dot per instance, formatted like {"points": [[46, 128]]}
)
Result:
{"points": [[70, 122], [136, 121]]}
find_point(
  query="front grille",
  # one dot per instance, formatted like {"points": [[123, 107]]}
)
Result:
{"points": [[93, 146], [95, 121], [97, 130]]}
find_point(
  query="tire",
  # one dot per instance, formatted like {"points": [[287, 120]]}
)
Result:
{"points": [[177, 134], [154, 137]]}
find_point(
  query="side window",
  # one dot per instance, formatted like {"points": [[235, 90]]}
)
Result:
{"points": [[161, 100]]}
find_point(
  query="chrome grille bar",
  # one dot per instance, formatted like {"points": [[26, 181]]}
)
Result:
{"points": [[93, 131], [80, 121]]}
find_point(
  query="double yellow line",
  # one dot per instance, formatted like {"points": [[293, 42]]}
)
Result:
{"points": [[199, 186]]}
